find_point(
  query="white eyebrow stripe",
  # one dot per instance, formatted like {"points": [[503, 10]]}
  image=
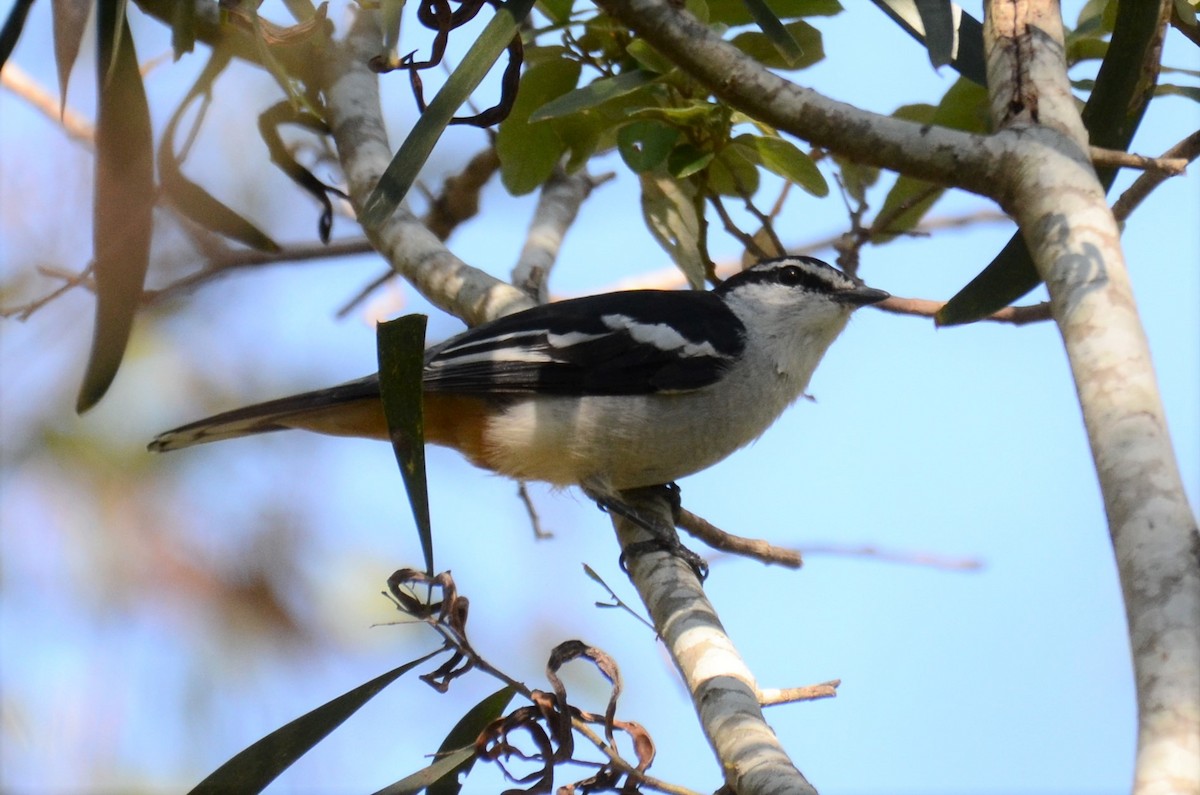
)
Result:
{"points": [[661, 336]]}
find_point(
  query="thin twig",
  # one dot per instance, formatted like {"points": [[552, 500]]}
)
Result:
{"points": [[893, 556], [1186, 150], [534, 520], [249, 258], [774, 696], [1167, 164], [18, 81], [715, 537], [922, 307]]}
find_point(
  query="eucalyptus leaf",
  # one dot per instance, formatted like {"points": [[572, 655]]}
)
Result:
{"points": [[70, 20], [400, 344], [122, 214], [592, 95], [257, 766], [402, 172]]}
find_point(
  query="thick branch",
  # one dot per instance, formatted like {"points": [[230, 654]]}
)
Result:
{"points": [[723, 689], [934, 154], [1074, 240], [352, 97], [557, 206]]}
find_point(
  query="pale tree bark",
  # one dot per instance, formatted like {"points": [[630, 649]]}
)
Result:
{"points": [[1037, 168], [1055, 197]]}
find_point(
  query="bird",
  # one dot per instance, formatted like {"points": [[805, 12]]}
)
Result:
{"points": [[610, 392]]}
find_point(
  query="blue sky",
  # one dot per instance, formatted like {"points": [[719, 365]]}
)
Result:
{"points": [[962, 443]]}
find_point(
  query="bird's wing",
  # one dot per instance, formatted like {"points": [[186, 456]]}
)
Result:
{"points": [[649, 341]]}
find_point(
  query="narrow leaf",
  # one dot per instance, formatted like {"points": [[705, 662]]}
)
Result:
{"points": [[183, 29], [401, 349], [206, 210], [124, 201], [427, 777], [937, 18], [12, 28], [402, 171], [254, 768], [70, 20], [593, 94], [463, 735], [783, 41]]}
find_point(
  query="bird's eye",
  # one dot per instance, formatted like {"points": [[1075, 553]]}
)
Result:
{"points": [[790, 276]]}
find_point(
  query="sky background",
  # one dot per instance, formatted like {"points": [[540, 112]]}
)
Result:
{"points": [[158, 614]]}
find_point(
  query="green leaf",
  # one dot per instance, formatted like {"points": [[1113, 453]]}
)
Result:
{"points": [[254, 768], [686, 160], [649, 58], [734, 171], [788, 161], [206, 210], [592, 95], [12, 28], [400, 344], [463, 735], [733, 13], [183, 29], [963, 107], [669, 207], [70, 20], [429, 777], [529, 151], [763, 49], [780, 37], [557, 11], [937, 18], [644, 145], [123, 206], [402, 171]]}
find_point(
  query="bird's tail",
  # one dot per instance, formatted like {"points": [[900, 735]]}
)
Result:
{"points": [[351, 409]]}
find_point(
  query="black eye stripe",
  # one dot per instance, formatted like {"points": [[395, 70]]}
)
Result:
{"points": [[808, 274]]}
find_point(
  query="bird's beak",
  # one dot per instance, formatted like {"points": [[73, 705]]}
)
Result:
{"points": [[861, 296]]}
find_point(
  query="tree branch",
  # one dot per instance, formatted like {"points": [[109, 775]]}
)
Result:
{"points": [[934, 154], [557, 206], [1071, 233], [723, 689], [352, 98]]}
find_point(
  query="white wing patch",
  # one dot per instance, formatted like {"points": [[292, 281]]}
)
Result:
{"points": [[661, 336]]}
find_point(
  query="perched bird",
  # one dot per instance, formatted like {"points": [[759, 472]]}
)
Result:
{"points": [[609, 392]]}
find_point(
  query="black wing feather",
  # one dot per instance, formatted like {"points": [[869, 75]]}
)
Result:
{"points": [[587, 346]]}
